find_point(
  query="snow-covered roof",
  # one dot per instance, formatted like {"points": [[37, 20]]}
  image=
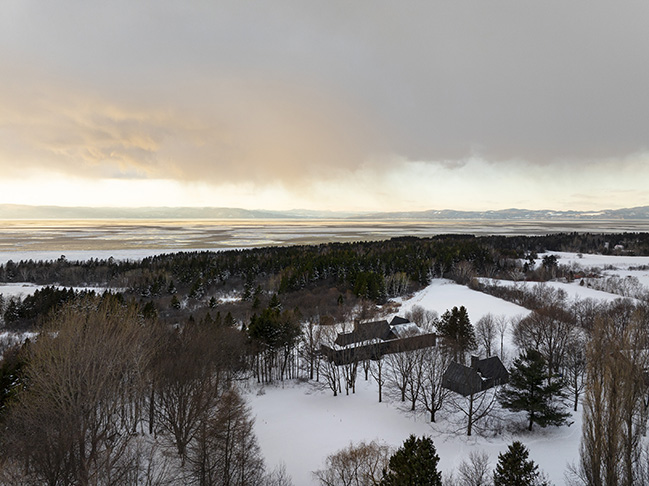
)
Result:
{"points": [[406, 330]]}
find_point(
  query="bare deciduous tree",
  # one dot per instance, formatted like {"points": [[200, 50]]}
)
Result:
{"points": [[71, 425], [548, 331], [425, 319], [356, 465], [485, 332], [401, 366], [475, 471], [311, 340], [329, 369], [475, 407], [502, 325], [574, 367], [615, 414], [187, 387], [433, 395], [225, 451]]}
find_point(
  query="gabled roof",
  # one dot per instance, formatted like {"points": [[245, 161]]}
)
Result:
{"points": [[406, 329], [396, 320], [491, 368], [365, 331], [461, 379], [481, 375]]}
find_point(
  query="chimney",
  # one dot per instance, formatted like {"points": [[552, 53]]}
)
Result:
{"points": [[474, 361]]}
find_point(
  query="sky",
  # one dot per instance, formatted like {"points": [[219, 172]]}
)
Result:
{"points": [[367, 105]]}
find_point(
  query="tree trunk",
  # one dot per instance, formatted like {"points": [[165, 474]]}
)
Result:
{"points": [[151, 408], [470, 425]]}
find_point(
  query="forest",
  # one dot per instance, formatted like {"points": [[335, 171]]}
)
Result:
{"points": [[139, 368]]}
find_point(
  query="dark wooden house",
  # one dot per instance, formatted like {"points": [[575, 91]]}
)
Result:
{"points": [[371, 340], [480, 376]]}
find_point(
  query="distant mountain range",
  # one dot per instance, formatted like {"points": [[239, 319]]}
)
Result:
{"points": [[13, 211], [641, 212]]}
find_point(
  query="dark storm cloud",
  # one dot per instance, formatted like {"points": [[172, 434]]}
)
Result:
{"points": [[293, 90]]}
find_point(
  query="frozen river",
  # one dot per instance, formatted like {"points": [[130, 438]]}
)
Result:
{"points": [[78, 239]]}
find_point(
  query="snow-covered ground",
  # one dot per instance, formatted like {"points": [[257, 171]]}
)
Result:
{"points": [[23, 289], [601, 261], [573, 290], [444, 294], [610, 265], [18, 289], [83, 255], [300, 425]]}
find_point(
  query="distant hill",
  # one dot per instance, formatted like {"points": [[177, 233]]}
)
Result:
{"points": [[641, 212], [14, 211]]}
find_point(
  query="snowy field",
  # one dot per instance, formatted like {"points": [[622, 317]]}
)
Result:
{"points": [[601, 261], [23, 289], [83, 255], [573, 290], [300, 425], [445, 294], [611, 265]]}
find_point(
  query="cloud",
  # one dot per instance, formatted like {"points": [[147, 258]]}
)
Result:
{"points": [[236, 132], [294, 94]]}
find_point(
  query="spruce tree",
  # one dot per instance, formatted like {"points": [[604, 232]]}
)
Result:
{"points": [[514, 468], [456, 328], [414, 464], [528, 391]]}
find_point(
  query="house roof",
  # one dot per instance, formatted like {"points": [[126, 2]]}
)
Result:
{"points": [[462, 379], [365, 331], [398, 328], [406, 329], [396, 320], [481, 375], [491, 368]]}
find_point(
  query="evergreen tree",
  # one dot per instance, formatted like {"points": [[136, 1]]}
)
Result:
{"points": [[213, 302], [12, 379], [456, 328], [414, 464], [175, 303], [515, 469], [149, 311], [528, 391]]}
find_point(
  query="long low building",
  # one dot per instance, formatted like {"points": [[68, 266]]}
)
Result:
{"points": [[372, 340]]}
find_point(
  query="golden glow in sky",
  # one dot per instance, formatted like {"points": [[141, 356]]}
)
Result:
{"points": [[338, 106]]}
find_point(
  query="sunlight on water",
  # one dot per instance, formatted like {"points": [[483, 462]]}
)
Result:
{"points": [[88, 235]]}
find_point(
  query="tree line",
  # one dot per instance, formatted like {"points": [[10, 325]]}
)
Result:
{"points": [[416, 463]]}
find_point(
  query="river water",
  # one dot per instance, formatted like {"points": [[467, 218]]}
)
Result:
{"points": [[135, 238]]}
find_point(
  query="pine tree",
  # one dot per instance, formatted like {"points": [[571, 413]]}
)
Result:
{"points": [[456, 328], [175, 303], [414, 464], [514, 468], [528, 391]]}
